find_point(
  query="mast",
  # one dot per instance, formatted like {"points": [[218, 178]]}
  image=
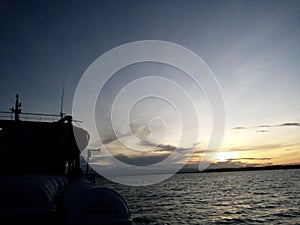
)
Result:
{"points": [[17, 109], [62, 99]]}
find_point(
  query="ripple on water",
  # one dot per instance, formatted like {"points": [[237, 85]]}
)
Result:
{"points": [[253, 197]]}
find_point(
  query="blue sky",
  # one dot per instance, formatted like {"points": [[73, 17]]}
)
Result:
{"points": [[253, 48]]}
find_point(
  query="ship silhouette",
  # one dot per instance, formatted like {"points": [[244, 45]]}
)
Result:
{"points": [[41, 180]]}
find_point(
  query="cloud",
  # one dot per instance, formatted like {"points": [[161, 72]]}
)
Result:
{"points": [[155, 153], [158, 148], [250, 158], [261, 147], [142, 160], [262, 126], [239, 128], [140, 129], [108, 140], [291, 124], [262, 131]]}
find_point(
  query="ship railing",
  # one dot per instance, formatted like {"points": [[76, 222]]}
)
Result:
{"points": [[39, 117]]}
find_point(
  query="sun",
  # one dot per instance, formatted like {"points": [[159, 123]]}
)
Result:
{"points": [[225, 156]]}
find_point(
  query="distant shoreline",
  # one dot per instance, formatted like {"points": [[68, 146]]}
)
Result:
{"points": [[221, 170], [274, 167]]}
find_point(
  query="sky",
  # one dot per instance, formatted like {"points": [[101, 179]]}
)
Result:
{"points": [[252, 48]]}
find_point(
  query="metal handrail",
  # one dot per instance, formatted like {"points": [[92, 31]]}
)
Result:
{"points": [[17, 114], [31, 116], [34, 116]]}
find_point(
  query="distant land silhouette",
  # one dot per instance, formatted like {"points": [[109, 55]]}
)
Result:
{"points": [[273, 167], [218, 170], [253, 168]]}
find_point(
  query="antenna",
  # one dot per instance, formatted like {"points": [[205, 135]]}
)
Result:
{"points": [[17, 110], [62, 98]]}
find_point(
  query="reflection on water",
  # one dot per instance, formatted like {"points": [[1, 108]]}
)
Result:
{"points": [[253, 197]]}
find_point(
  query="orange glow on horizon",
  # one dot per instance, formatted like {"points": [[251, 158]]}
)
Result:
{"points": [[225, 156]]}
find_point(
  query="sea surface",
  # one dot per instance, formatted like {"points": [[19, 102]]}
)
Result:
{"points": [[248, 197]]}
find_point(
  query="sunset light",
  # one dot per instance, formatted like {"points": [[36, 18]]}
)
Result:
{"points": [[189, 109], [226, 156]]}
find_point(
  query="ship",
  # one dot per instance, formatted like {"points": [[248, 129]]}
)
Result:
{"points": [[41, 181]]}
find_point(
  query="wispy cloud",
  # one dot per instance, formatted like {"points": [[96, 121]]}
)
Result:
{"points": [[264, 147], [262, 131], [249, 158], [239, 128], [142, 160], [263, 126], [290, 124]]}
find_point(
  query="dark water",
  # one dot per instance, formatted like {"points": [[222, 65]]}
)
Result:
{"points": [[253, 197]]}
